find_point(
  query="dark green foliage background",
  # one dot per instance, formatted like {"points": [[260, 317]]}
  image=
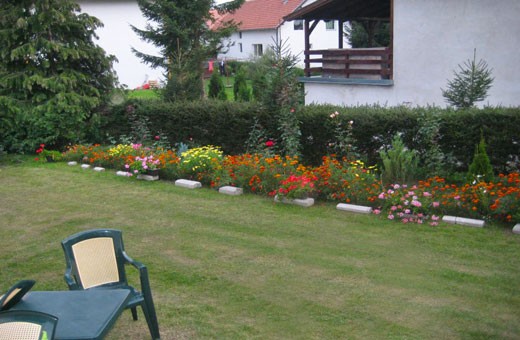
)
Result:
{"points": [[227, 124]]}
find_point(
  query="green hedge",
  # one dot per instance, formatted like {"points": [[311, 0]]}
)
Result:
{"points": [[228, 124]]}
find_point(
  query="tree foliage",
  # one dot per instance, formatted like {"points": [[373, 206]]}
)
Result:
{"points": [[52, 75], [470, 84], [367, 33], [180, 30]]}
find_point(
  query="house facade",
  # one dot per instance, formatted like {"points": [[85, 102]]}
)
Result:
{"points": [[430, 39], [117, 38], [261, 25]]}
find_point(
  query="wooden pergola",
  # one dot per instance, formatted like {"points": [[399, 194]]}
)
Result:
{"points": [[344, 11]]}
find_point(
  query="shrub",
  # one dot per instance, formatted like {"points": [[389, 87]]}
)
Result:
{"points": [[480, 169], [216, 87], [399, 163]]}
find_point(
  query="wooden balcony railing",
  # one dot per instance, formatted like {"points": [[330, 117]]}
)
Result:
{"points": [[357, 63]]}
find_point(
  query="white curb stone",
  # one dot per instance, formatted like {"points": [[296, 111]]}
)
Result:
{"points": [[470, 222], [99, 169], [72, 163], [147, 177], [123, 173], [354, 208], [185, 183], [302, 202], [229, 190], [85, 166], [516, 229]]}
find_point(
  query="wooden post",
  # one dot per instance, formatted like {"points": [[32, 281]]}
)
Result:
{"points": [[307, 34]]}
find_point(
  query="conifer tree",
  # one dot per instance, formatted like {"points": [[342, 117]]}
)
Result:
{"points": [[240, 89], [216, 87], [53, 76], [480, 168], [470, 84], [180, 29]]}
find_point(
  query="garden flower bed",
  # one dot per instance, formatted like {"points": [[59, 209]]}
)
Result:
{"points": [[339, 181]]}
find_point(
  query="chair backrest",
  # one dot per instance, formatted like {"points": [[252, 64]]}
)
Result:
{"points": [[15, 293], [27, 325], [95, 258]]}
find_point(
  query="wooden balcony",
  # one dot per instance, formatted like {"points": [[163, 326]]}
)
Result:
{"points": [[356, 63]]}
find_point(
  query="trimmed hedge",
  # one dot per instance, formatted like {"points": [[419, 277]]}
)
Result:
{"points": [[228, 124]]}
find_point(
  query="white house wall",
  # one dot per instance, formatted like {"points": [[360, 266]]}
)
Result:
{"points": [[247, 39], [431, 38], [293, 40], [117, 38]]}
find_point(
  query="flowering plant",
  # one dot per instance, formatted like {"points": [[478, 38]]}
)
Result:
{"points": [[410, 205], [141, 165], [50, 155], [295, 187], [199, 163]]}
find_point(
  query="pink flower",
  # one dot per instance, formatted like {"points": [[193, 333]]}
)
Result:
{"points": [[377, 211], [381, 196], [157, 137], [435, 204], [456, 197], [434, 224], [427, 194], [416, 203], [127, 166], [391, 217], [393, 208]]}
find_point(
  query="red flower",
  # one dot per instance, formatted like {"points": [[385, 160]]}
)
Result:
{"points": [[269, 143], [157, 137]]}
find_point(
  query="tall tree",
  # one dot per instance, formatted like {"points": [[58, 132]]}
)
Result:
{"points": [[53, 76], [186, 33]]}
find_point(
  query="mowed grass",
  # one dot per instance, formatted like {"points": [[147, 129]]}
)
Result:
{"points": [[225, 267]]}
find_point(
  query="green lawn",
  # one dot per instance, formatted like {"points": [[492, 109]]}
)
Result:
{"points": [[225, 267]]}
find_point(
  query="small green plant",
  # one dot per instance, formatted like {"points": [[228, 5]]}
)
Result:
{"points": [[399, 162], [471, 83], [480, 168], [343, 143]]}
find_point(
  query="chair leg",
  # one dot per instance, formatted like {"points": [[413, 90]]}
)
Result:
{"points": [[151, 320], [134, 313]]}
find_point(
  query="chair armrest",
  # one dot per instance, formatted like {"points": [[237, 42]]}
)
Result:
{"points": [[70, 280], [143, 276]]}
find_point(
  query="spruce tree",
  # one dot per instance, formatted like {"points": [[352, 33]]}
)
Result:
{"points": [[470, 84], [179, 28], [53, 76]]}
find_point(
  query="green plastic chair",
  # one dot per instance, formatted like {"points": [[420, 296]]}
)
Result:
{"points": [[26, 325], [15, 294], [96, 259]]}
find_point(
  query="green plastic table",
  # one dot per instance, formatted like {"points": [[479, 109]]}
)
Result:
{"points": [[82, 314]]}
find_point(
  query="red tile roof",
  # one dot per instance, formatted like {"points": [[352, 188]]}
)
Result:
{"points": [[262, 14]]}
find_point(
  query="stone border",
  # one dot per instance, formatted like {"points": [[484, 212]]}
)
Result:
{"points": [[470, 222], [354, 208]]}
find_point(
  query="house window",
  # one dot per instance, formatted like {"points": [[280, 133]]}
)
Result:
{"points": [[258, 50], [330, 25], [298, 25], [240, 47]]}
